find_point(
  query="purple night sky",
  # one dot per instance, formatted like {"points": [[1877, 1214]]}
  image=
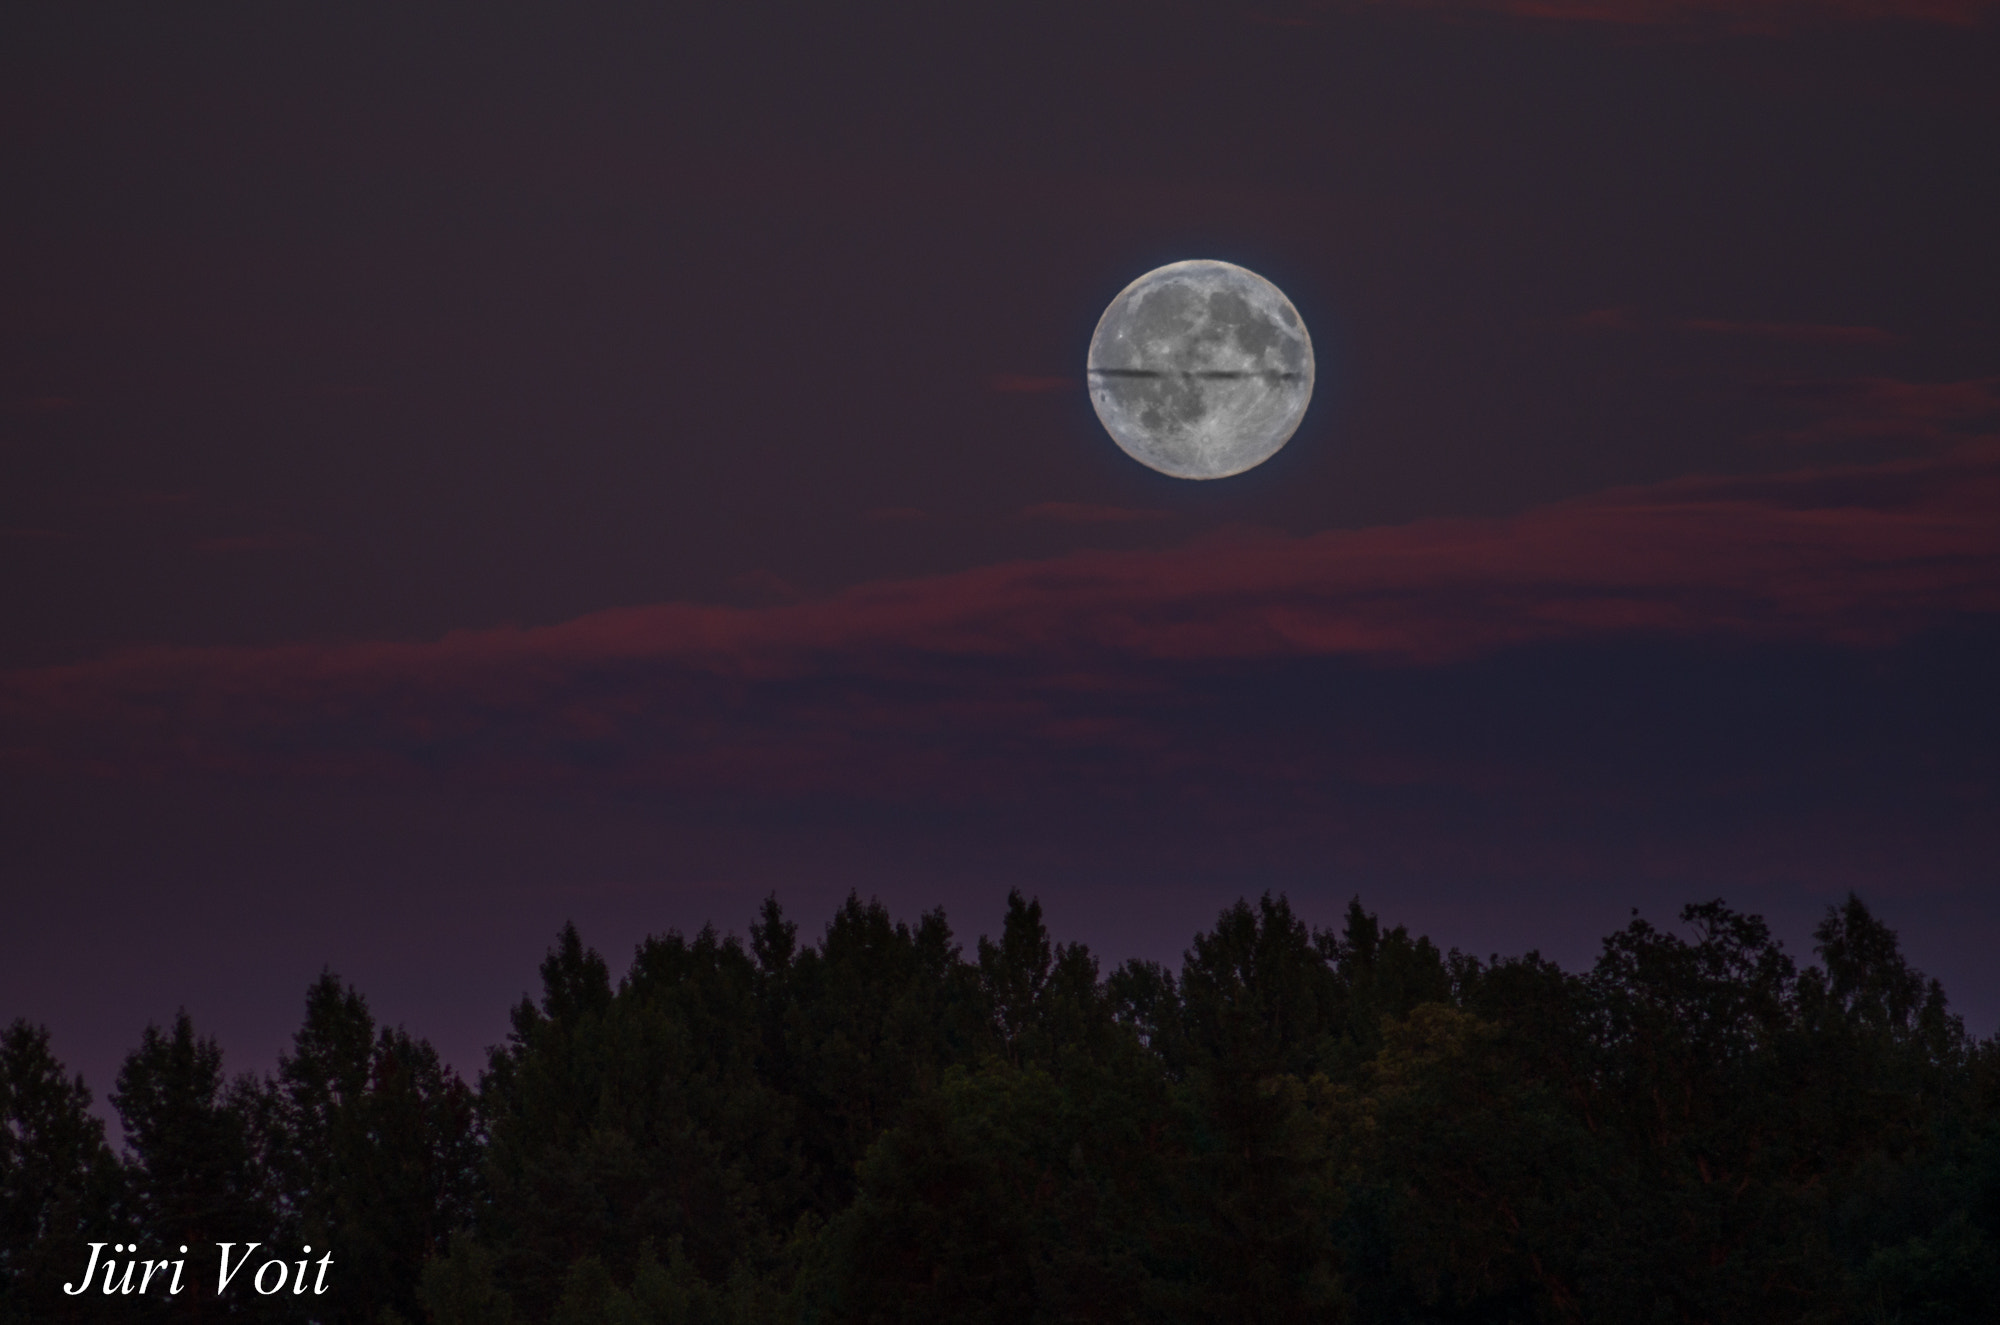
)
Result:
{"points": [[476, 468]]}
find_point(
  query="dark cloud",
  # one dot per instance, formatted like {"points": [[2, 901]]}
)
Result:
{"points": [[1022, 384], [268, 542], [1085, 513], [1764, 16], [45, 405], [1884, 409], [763, 586], [1607, 319], [1810, 332]]}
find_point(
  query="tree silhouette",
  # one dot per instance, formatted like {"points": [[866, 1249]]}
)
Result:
{"points": [[193, 1180], [60, 1186], [1294, 1125]]}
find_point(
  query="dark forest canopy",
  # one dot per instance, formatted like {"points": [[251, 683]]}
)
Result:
{"points": [[1297, 1125]]}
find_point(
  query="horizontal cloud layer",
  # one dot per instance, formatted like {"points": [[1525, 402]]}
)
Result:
{"points": [[919, 682]]}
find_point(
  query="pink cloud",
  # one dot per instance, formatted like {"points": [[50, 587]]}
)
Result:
{"points": [[933, 685]]}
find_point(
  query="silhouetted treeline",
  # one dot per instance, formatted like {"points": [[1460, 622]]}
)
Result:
{"points": [[1295, 1126]]}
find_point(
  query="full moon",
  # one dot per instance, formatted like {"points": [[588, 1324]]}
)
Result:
{"points": [[1201, 369]]}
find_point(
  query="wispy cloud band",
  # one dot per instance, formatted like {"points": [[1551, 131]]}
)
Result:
{"points": [[916, 681]]}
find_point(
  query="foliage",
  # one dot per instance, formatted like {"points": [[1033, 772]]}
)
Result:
{"points": [[1295, 1125], [59, 1183]]}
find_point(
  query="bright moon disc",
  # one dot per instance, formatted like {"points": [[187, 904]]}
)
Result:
{"points": [[1201, 369]]}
